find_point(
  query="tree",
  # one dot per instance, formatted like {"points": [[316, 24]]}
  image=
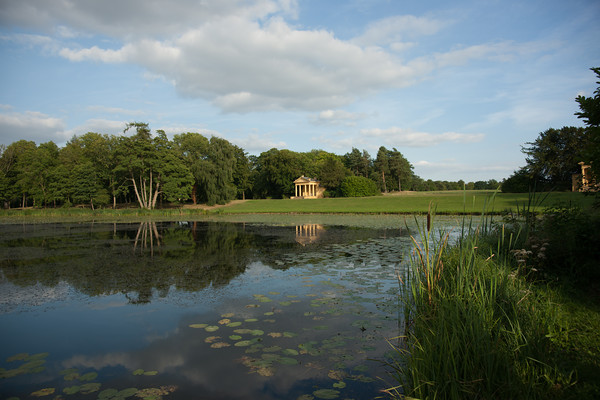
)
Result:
{"points": [[358, 186], [554, 156], [276, 171], [400, 169], [590, 113], [332, 172], [153, 167], [382, 167], [241, 172]]}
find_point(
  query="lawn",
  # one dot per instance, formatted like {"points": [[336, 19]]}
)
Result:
{"points": [[446, 202]]}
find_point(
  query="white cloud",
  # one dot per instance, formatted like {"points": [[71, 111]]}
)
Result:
{"points": [[337, 117], [29, 125], [98, 125], [116, 110], [256, 144], [244, 66], [393, 30], [133, 18], [400, 137]]}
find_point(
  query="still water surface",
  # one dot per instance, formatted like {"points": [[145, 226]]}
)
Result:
{"points": [[198, 310]]}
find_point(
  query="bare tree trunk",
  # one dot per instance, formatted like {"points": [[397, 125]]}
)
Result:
{"points": [[137, 194], [155, 194], [383, 178]]}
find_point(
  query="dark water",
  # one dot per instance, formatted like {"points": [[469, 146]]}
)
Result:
{"points": [[198, 310]]}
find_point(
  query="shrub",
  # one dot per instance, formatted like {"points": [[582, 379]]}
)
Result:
{"points": [[358, 186]]}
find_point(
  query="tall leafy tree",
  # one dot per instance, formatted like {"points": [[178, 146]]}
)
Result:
{"points": [[555, 154], [194, 149], [332, 172], [382, 167], [241, 172], [590, 113], [276, 172], [152, 167], [400, 169], [17, 171]]}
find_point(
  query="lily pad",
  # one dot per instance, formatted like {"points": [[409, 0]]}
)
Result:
{"points": [[339, 385], [285, 303], [71, 376], [233, 324], [138, 372], [18, 357], [90, 376], [150, 373], [271, 349], [224, 321], [212, 339], [43, 392], [38, 356], [219, 345], [123, 394], [71, 389], [227, 315], [252, 306], [235, 337], [243, 343], [211, 328], [326, 394], [289, 334], [198, 326], [274, 293], [269, 313], [257, 332], [108, 394], [90, 388], [251, 320], [290, 352], [288, 361]]}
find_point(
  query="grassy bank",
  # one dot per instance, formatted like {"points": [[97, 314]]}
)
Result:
{"points": [[447, 202], [489, 318]]}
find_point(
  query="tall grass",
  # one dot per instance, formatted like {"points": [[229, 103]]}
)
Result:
{"points": [[474, 328]]}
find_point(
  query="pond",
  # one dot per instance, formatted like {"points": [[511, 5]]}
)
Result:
{"points": [[199, 309]]}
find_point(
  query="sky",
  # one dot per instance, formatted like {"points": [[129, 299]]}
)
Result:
{"points": [[456, 86]]}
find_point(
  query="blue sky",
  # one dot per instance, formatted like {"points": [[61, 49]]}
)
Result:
{"points": [[456, 86]]}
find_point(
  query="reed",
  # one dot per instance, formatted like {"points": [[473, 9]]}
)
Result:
{"points": [[474, 329]]}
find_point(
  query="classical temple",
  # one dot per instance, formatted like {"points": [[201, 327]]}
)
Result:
{"points": [[307, 188], [584, 182]]}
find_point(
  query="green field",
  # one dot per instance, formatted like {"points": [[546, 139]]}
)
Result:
{"points": [[446, 202]]}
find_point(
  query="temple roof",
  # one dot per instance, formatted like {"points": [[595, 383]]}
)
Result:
{"points": [[304, 179]]}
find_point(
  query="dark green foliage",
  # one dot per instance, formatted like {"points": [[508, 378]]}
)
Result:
{"points": [[519, 182], [590, 113], [567, 243], [358, 186], [332, 172], [554, 156], [276, 171]]}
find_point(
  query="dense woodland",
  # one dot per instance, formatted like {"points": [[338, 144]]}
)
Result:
{"points": [[151, 170]]}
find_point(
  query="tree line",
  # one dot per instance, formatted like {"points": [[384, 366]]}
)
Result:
{"points": [[151, 170]]}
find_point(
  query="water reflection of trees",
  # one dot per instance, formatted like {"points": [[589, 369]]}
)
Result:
{"points": [[189, 256]]}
